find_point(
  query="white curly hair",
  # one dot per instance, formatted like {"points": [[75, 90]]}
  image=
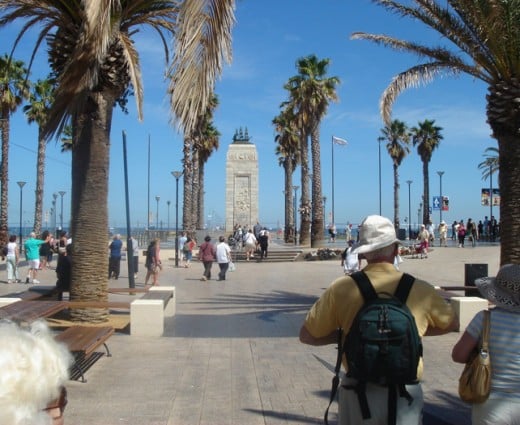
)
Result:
{"points": [[33, 368]]}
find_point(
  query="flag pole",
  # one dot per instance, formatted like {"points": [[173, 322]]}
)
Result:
{"points": [[332, 209]]}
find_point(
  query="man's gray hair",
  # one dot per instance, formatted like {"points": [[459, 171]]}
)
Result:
{"points": [[387, 251]]}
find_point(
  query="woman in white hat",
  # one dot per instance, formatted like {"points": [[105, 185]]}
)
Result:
{"points": [[443, 233], [503, 405]]}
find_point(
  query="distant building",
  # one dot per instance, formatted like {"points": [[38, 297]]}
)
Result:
{"points": [[241, 182]]}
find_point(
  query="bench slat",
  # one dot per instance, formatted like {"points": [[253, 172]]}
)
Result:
{"points": [[85, 339], [97, 304]]}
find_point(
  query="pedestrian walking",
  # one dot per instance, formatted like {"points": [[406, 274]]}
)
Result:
{"points": [[223, 254], [12, 258], [207, 254]]}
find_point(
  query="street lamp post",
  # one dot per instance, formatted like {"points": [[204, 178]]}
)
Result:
{"points": [[168, 203], [440, 173], [62, 193], [379, 151], [490, 192], [54, 197], [409, 211], [157, 198], [324, 215], [21, 184], [419, 216], [295, 188], [177, 175]]}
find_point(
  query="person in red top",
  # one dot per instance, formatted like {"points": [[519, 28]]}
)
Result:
{"points": [[207, 254]]}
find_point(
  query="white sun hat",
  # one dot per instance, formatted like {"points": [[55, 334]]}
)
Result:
{"points": [[375, 232]]}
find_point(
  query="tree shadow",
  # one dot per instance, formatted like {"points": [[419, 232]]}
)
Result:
{"points": [[273, 314], [448, 409], [287, 417]]}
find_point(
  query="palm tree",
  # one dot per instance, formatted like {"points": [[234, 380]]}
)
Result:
{"points": [[40, 101], [427, 137], [287, 150], [13, 90], [188, 223], [311, 92], [398, 138], [486, 39], [93, 57], [490, 165], [210, 143], [197, 149]]}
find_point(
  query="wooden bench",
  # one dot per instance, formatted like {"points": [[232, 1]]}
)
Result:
{"points": [[82, 341], [147, 313], [28, 311]]}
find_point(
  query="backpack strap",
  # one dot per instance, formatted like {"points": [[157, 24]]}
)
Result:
{"points": [[364, 285], [335, 380], [404, 287], [369, 293]]}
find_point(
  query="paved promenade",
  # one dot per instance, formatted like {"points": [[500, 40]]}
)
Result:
{"points": [[231, 354]]}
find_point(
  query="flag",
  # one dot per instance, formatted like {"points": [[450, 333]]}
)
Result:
{"points": [[339, 141]]}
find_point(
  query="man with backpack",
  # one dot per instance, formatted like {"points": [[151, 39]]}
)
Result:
{"points": [[378, 316]]}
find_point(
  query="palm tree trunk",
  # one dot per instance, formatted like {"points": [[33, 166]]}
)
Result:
{"points": [[426, 191], [509, 178], [4, 166], [40, 176], [195, 190], [200, 198], [317, 201], [187, 225], [289, 210], [89, 210], [305, 205], [396, 197]]}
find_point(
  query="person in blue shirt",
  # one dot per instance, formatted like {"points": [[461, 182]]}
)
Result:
{"points": [[32, 253], [114, 262]]}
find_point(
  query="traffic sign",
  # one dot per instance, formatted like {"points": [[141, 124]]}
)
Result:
{"points": [[437, 203]]}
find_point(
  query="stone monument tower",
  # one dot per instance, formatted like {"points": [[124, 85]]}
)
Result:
{"points": [[241, 182]]}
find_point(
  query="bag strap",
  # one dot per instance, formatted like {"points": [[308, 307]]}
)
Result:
{"points": [[364, 285], [485, 330], [335, 380], [404, 287]]}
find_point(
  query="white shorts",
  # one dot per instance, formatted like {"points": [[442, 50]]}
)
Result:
{"points": [[34, 264], [377, 397]]}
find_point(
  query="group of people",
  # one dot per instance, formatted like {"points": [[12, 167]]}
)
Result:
{"points": [[484, 230], [379, 246], [39, 252], [460, 232], [153, 263], [209, 253], [254, 241]]}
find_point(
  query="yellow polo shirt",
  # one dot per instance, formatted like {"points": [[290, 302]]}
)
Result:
{"points": [[339, 304]]}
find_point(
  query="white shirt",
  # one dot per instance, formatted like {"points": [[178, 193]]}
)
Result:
{"points": [[223, 253], [11, 249]]}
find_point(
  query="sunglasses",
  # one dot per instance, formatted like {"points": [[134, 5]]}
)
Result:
{"points": [[59, 403]]}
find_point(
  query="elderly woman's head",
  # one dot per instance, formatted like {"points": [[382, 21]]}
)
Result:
{"points": [[33, 372]]}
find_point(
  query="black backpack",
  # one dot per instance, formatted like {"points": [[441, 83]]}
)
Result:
{"points": [[383, 345]]}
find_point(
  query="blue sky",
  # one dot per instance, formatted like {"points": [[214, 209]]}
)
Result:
{"points": [[268, 38]]}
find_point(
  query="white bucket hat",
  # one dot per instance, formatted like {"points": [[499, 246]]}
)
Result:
{"points": [[375, 232], [503, 290]]}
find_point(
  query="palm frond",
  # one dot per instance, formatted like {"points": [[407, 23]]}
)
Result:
{"points": [[412, 77], [202, 45]]}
